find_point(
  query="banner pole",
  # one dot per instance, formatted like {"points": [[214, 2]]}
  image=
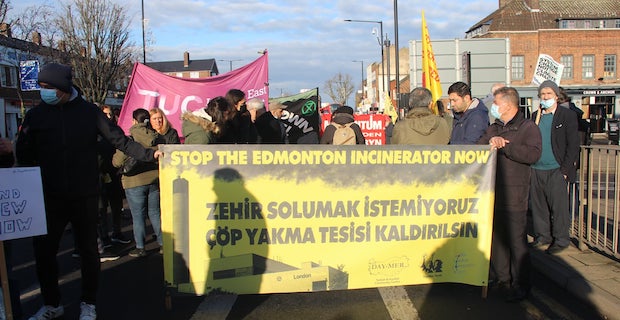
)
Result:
{"points": [[5, 284]]}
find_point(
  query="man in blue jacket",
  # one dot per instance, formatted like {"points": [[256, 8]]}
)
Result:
{"points": [[553, 171], [471, 116], [60, 136]]}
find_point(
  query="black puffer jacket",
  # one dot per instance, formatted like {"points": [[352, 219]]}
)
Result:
{"points": [[62, 140]]}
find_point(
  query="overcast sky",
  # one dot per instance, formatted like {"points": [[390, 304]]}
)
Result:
{"points": [[308, 41]]}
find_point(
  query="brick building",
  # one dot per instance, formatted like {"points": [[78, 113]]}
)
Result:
{"points": [[582, 35], [187, 68]]}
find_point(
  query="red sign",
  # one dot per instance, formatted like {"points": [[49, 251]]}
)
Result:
{"points": [[372, 125]]}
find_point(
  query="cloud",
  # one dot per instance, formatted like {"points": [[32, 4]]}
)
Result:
{"points": [[308, 41]]}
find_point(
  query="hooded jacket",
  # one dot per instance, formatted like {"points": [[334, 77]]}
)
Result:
{"points": [[342, 118], [62, 140], [198, 127], [421, 127], [148, 138]]}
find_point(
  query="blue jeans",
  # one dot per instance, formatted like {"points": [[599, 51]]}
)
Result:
{"points": [[143, 200]]}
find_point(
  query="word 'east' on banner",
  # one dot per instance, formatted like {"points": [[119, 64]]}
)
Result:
{"points": [[150, 88]]}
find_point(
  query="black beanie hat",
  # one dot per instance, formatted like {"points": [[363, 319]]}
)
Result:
{"points": [[344, 109], [57, 75]]}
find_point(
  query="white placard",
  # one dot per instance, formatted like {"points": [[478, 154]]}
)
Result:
{"points": [[22, 211], [547, 69]]}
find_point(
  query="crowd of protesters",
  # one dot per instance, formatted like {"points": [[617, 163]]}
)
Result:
{"points": [[535, 164]]}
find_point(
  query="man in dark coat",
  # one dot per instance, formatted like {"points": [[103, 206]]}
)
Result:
{"points": [[269, 127], [518, 145], [60, 136], [471, 116], [555, 169]]}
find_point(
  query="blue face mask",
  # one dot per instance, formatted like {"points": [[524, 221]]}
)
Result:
{"points": [[49, 96], [495, 111], [546, 104]]}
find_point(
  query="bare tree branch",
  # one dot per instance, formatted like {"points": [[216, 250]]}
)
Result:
{"points": [[339, 88], [96, 34]]}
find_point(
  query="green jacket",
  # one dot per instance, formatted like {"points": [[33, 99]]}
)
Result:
{"points": [[197, 128], [147, 137], [421, 127]]}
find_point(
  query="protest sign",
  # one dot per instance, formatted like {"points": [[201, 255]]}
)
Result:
{"points": [[22, 211], [266, 219], [547, 69]]}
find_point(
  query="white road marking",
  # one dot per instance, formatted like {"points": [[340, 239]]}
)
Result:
{"points": [[215, 307], [398, 303]]}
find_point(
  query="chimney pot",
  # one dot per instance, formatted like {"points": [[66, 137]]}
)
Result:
{"points": [[36, 38], [5, 30]]}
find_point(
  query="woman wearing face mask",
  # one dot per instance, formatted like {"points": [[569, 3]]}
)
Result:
{"points": [[239, 129]]}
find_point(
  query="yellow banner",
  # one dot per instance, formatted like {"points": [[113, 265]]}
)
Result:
{"points": [[430, 74], [266, 219], [390, 110]]}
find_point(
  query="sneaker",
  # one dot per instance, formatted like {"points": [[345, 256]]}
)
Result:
{"points": [[87, 311], [119, 238], [106, 243], [555, 249], [137, 253], [48, 312], [108, 256]]}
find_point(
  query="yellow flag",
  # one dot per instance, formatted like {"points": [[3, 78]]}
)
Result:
{"points": [[430, 74], [389, 108]]}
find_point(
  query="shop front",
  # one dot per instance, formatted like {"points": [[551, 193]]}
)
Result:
{"points": [[598, 104]]}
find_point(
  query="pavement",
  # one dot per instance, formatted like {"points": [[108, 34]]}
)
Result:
{"points": [[590, 276]]}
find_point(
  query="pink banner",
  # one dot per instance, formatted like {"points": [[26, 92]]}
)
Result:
{"points": [[372, 125], [150, 88]]}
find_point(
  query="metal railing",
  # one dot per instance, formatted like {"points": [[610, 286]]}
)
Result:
{"points": [[595, 200]]}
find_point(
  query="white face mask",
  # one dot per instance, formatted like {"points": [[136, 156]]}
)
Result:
{"points": [[546, 104], [495, 111]]}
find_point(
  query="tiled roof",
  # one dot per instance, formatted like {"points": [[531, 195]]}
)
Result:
{"points": [[517, 16], [177, 66]]}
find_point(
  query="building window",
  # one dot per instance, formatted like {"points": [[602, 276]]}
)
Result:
{"points": [[9, 76], [587, 66], [567, 61], [617, 23], [609, 68], [518, 67], [194, 74]]}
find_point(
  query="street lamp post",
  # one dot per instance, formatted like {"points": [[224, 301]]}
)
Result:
{"points": [[143, 37], [381, 44], [397, 62], [230, 61], [362, 79]]}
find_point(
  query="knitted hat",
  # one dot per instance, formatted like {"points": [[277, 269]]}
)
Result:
{"points": [[549, 84], [57, 75]]}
